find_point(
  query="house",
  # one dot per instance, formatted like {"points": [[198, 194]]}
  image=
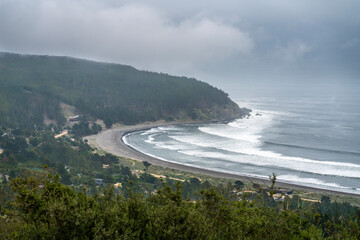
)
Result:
{"points": [[279, 196], [67, 168], [75, 118], [285, 192], [98, 181]]}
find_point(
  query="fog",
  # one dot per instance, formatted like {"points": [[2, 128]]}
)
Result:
{"points": [[272, 43]]}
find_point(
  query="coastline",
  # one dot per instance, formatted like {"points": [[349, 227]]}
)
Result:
{"points": [[111, 141]]}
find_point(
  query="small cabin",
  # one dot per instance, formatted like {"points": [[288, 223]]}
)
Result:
{"points": [[285, 191], [67, 168], [98, 181], [75, 118]]}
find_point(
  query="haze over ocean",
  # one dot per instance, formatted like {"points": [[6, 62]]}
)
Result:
{"points": [[309, 138]]}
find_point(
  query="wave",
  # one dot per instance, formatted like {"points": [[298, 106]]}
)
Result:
{"points": [[224, 163], [240, 140], [311, 148], [168, 128], [125, 140], [243, 136], [150, 139], [258, 157], [151, 131], [169, 145], [311, 182], [238, 147], [159, 130], [229, 133], [246, 129]]}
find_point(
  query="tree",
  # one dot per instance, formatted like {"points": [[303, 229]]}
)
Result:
{"points": [[12, 174], [273, 181], [4, 180], [146, 164], [239, 184], [195, 181], [108, 122]]}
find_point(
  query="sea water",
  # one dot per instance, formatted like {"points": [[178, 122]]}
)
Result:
{"points": [[307, 138]]}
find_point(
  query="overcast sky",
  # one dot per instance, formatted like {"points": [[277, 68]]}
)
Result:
{"points": [[215, 41]]}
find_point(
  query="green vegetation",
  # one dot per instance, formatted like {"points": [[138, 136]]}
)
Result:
{"points": [[83, 128], [32, 88], [26, 152], [46, 209]]}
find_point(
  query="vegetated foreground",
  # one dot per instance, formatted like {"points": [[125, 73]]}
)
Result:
{"points": [[56, 211], [33, 87], [96, 197]]}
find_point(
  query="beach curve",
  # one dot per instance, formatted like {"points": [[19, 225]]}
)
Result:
{"points": [[111, 141]]}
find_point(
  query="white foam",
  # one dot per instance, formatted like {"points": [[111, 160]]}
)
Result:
{"points": [[204, 154], [169, 146], [270, 154], [186, 164], [308, 181], [151, 131], [291, 163], [124, 138], [150, 139], [242, 141], [244, 159], [243, 136], [159, 130], [249, 149], [168, 128], [246, 129]]}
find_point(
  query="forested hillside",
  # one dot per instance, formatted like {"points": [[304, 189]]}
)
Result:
{"points": [[32, 87]]}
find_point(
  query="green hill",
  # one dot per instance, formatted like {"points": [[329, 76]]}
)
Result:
{"points": [[32, 88]]}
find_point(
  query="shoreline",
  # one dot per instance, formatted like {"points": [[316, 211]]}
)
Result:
{"points": [[111, 141]]}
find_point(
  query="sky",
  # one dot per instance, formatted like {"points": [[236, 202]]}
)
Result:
{"points": [[221, 42]]}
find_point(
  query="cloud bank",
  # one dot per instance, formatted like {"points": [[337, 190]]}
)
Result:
{"points": [[134, 34], [208, 39]]}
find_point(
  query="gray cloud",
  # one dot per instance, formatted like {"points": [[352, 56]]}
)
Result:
{"points": [[134, 34], [212, 40]]}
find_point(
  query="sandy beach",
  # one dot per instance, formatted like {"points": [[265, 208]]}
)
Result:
{"points": [[111, 141]]}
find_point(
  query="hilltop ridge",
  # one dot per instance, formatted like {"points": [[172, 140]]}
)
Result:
{"points": [[33, 87]]}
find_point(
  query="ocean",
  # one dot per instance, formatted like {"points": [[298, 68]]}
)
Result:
{"points": [[309, 138]]}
